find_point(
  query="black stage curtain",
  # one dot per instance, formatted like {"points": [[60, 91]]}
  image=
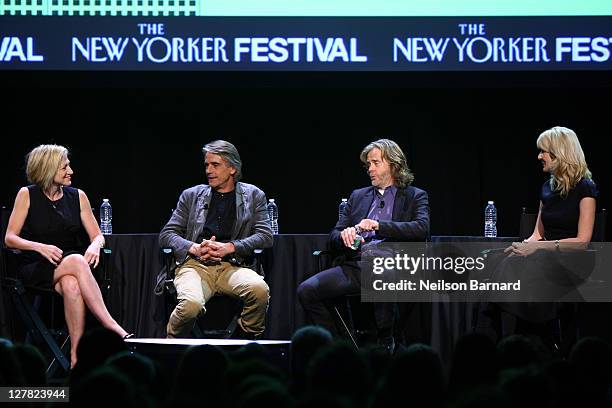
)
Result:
{"points": [[134, 264], [289, 263]]}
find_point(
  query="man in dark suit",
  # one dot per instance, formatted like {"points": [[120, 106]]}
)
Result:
{"points": [[213, 233], [390, 210]]}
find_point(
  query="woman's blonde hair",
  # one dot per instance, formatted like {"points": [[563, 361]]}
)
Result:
{"points": [[42, 164], [392, 153], [568, 163]]}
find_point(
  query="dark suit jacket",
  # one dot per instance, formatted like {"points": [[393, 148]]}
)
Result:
{"points": [[410, 218]]}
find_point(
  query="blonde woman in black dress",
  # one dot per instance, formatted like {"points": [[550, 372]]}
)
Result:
{"points": [[54, 226]]}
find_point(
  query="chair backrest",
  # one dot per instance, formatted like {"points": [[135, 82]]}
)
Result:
{"points": [[528, 222], [4, 217], [5, 213]]}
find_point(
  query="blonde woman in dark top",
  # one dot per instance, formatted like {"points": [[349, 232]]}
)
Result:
{"points": [[568, 198], [54, 226], [552, 263]]}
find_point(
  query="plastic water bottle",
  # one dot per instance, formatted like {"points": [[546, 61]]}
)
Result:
{"points": [[358, 239], [106, 217], [273, 215], [342, 207], [490, 229]]}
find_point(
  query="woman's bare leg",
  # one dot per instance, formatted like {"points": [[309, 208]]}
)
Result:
{"points": [[75, 265], [74, 311]]}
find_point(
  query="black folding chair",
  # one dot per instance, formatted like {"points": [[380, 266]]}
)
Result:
{"points": [[354, 319], [224, 308], [526, 228]]}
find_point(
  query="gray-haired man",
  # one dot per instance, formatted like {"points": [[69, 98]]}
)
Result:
{"points": [[213, 233]]}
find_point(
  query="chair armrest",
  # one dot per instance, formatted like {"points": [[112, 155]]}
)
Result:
{"points": [[167, 257], [103, 268], [490, 251], [164, 281], [11, 251], [8, 260], [318, 254], [258, 262]]}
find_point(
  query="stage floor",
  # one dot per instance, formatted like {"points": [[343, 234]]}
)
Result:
{"points": [[168, 352], [211, 342]]}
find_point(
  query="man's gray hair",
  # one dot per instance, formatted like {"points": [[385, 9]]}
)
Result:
{"points": [[228, 152]]}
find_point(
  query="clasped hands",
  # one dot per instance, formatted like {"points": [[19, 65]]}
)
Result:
{"points": [[211, 250], [349, 234]]}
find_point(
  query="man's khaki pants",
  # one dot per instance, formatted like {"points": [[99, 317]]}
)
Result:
{"points": [[196, 283]]}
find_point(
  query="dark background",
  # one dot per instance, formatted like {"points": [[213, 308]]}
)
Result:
{"points": [[136, 138]]}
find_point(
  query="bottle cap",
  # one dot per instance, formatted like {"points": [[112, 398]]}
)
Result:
{"points": [[271, 200], [345, 199], [105, 199], [489, 202]]}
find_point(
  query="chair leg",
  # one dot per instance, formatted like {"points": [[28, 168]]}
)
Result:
{"points": [[201, 329], [231, 327], [557, 335], [201, 333], [55, 363], [197, 331], [345, 326], [349, 316], [36, 326]]}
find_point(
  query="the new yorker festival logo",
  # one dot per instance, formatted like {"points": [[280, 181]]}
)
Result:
{"points": [[154, 43], [474, 44], [19, 49]]}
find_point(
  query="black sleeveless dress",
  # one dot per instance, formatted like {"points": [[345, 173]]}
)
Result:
{"points": [[54, 223]]}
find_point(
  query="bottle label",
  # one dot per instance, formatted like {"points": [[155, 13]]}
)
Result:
{"points": [[357, 242]]}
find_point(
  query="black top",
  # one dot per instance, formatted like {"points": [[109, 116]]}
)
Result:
{"points": [[221, 217], [53, 223], [560, 215]]}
